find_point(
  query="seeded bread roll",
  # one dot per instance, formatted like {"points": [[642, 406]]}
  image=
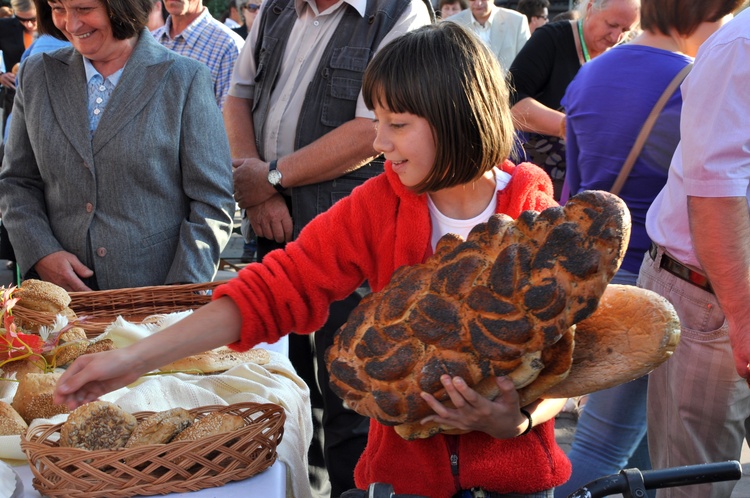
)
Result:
{"points": [[99, 425], [33, 398], [210, 425], [218, 360], [38, 295], [72, 344], [11, 423], [160, 427]]}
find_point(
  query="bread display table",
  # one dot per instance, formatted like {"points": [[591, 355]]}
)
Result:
{"points": [[268, 484]]}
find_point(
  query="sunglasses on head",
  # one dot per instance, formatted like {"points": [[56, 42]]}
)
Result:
{"points": [[252, 7]]}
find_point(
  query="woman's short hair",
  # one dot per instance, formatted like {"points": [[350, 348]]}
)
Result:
{"points": [[127, 17], [683, 16], [443, 73]]}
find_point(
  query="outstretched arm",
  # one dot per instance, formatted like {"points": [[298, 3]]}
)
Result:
{"points": [[90, 376]]}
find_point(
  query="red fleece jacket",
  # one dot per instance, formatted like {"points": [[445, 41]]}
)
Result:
{"points": [[368, 235]]}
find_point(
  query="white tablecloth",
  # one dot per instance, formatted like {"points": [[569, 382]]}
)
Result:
{"points": [[268, 484]]}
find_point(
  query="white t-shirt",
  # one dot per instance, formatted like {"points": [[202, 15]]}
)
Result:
{"points": [[713, 157], [442, 224]]}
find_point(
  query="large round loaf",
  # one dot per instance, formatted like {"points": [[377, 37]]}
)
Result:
{"points": [[632, 332], [480, 308]]}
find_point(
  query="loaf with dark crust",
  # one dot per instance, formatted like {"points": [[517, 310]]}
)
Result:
{"points": [[480, 308]]}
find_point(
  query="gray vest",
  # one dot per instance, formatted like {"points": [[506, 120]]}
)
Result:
{"points": [[331, 98]]}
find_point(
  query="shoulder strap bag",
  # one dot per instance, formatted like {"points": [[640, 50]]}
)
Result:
{"points": [[640, 141]]}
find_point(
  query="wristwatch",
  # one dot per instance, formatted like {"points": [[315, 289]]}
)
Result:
{"points": [[274, 177]]}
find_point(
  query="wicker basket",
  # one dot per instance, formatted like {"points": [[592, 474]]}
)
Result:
{"points": [[101, 308], [204, 463]]}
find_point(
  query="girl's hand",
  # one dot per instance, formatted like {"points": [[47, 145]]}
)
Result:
{"points": [[501, 418], [94, 375]]}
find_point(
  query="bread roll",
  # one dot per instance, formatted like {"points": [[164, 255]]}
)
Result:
{"points": [[33, 398], [632, 332], [210, 425], [71, 344], [43, 296], [218, 360], [98, 425], [11, 423], [160, 427]]}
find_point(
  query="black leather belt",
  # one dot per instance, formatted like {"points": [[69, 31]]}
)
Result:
{"points": [[681, 271]]}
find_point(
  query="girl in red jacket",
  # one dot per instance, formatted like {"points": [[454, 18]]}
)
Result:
{"points": [[444, 125]]}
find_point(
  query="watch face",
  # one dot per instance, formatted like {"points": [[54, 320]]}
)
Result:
{"points": [[274, 177]]}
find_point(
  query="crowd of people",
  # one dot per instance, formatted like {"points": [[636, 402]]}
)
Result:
{"points": [[138, 127]]}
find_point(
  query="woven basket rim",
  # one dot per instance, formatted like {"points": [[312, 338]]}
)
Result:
{"points": [[101, 308], [263, 430]]}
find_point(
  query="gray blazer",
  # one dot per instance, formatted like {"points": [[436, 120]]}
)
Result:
{"points": [[148, 200], [508, 34]]}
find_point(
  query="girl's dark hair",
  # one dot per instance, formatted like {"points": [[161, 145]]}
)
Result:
{"points": [[127, 17], [444, 74], [683, 16]]}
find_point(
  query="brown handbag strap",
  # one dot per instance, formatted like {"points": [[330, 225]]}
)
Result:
{"points": [[640, 141]]}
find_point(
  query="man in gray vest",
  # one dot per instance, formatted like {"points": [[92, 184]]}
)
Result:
{"points": [[301, 138]]}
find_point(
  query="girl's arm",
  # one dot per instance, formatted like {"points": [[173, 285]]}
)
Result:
{"points": [[90, 376]]}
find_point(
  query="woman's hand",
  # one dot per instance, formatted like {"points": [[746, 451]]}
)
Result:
{"points": [[501, 418], [94, 375]]}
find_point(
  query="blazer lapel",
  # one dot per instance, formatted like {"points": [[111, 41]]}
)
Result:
{"points": [[66, 87], [147, 66]]}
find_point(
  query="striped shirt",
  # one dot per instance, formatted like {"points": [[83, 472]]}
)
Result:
{"points": [[210, 42]]}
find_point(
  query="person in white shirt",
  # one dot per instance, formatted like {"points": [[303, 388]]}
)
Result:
{"points": [[505, 31], [699, 400]]}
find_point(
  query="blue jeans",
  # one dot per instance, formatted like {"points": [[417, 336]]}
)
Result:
{"points": [[611, 433]]}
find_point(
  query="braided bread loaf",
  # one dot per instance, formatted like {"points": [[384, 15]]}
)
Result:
{"points": [[482, 308]]}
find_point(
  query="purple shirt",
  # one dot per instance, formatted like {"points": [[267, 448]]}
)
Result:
{"points": [[606, 106]]}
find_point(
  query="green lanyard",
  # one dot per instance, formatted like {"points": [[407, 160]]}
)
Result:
{"points": [[586, 57]]}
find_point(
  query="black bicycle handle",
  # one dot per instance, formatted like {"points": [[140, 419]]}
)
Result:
{"points": [[633, 483]]}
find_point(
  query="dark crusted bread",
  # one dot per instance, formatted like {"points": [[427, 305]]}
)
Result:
{"points": [[482, 308]]}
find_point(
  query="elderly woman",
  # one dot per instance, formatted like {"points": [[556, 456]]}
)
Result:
{"points": [[546, 65], [607, 104], [117, 170]]}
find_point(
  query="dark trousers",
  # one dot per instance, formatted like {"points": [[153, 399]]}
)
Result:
{"points": [[340, 434]]}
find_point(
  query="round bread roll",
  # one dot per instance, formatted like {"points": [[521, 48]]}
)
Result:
{"points": [[11, 423], [38, 295], [632, 332], [210, 425], [99, 425], [99, 346], [160, 427], [71, 344], [218, 360], [33, 398]]}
